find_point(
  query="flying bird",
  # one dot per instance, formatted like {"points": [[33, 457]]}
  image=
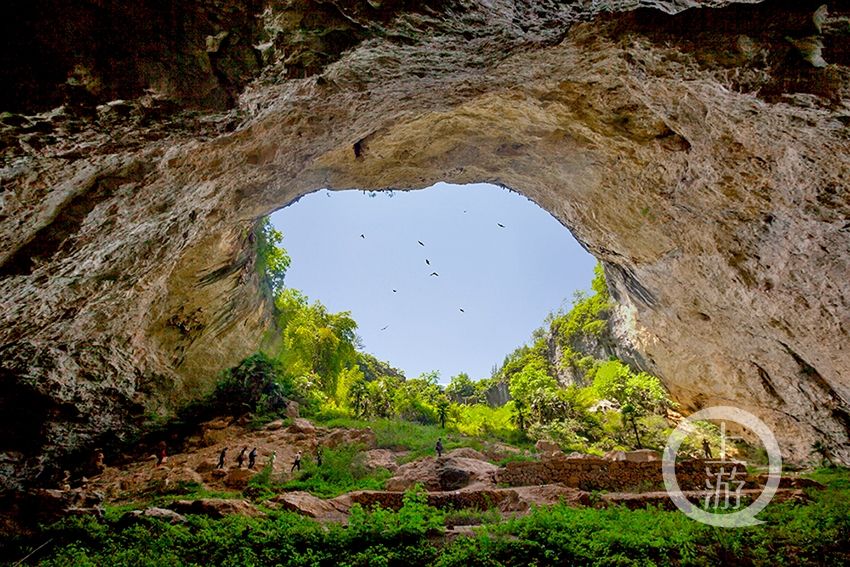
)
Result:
{"points": [[461, 310], [427, 262], [500, 224], [420, 243], [385, 328], [362, 236], [435, 274], [395, 291]]}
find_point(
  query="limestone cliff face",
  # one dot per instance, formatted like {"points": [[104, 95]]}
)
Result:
{"points": [[701, 155]]}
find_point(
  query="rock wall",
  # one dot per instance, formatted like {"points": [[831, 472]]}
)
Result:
{"points": [[601, 474], [701, 155]]}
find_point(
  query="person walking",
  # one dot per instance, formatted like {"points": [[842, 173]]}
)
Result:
{"points": [[297, 463], [221, 458], [161, 453], [241, 458], [706, 448], [252, 458], [439, 447]]}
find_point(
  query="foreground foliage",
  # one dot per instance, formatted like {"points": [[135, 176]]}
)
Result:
{"points": [[793, 534]]}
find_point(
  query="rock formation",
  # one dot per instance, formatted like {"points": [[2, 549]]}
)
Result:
{"points": [[454, 470], [699, 149]]}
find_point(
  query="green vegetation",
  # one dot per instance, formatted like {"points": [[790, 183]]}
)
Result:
{"points": [[793, 534], [611, 405], [272, 259], [417, 439], [342, 470]]}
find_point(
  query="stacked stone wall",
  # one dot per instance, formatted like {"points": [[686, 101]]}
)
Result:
{"points": [[600, 474]]}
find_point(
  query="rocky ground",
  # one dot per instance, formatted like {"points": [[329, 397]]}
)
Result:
{"points": [[463, 478]]}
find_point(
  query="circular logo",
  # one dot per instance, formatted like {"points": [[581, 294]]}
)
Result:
{"points": [[724, 478]]}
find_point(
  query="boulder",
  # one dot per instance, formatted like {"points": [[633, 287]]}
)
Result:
{"points": [[274, 425], [163, 514], [308, 505], [449, 472], [301, 425], [458, 472], [216, 507], [379, 459], [466, 453], [577, 455], [642, 456], [547, 448], [292, 409], [215, 431], [48, 505], [499, 451], [336, 437], [237, 479], [615, 456]]}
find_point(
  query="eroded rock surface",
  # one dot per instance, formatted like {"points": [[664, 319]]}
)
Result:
{"points": [[702, 156], [454, 470]]}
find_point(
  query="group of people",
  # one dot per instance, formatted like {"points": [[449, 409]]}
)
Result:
{"points": [[240, 459], [162, 457], [252, 458]]}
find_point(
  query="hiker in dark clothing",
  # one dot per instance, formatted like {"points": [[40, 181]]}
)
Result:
{"points": [[319, 452], [241, 458], [252, 458], [706, 449], [297, 463], [161, 453], [439, 447], [221, 458]]}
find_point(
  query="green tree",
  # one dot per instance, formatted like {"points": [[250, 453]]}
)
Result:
{"points": [[442, 411], [272, 258], [462, 389], [256, 379], [638, 394], [358, 396], [518, 414], [315, 340], [532, 377], [380, 399]]}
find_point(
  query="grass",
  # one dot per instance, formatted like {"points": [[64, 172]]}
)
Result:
{"points": [[419, 440], [341, 471], [793, 534], [181, 491]]}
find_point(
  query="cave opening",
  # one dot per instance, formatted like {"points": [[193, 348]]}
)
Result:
{"points": [[450, 278]]}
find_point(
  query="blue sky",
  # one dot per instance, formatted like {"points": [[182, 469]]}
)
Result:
{"points": [[505, 279]]}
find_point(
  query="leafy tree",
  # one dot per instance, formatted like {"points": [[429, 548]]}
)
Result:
{"points": [[530, 379], [380, 399], [462, 389], [314, 340], [358, 396], [442, 411], [256, 379], [638, 394], [518, 415], [347, 378], [272, 259]]}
